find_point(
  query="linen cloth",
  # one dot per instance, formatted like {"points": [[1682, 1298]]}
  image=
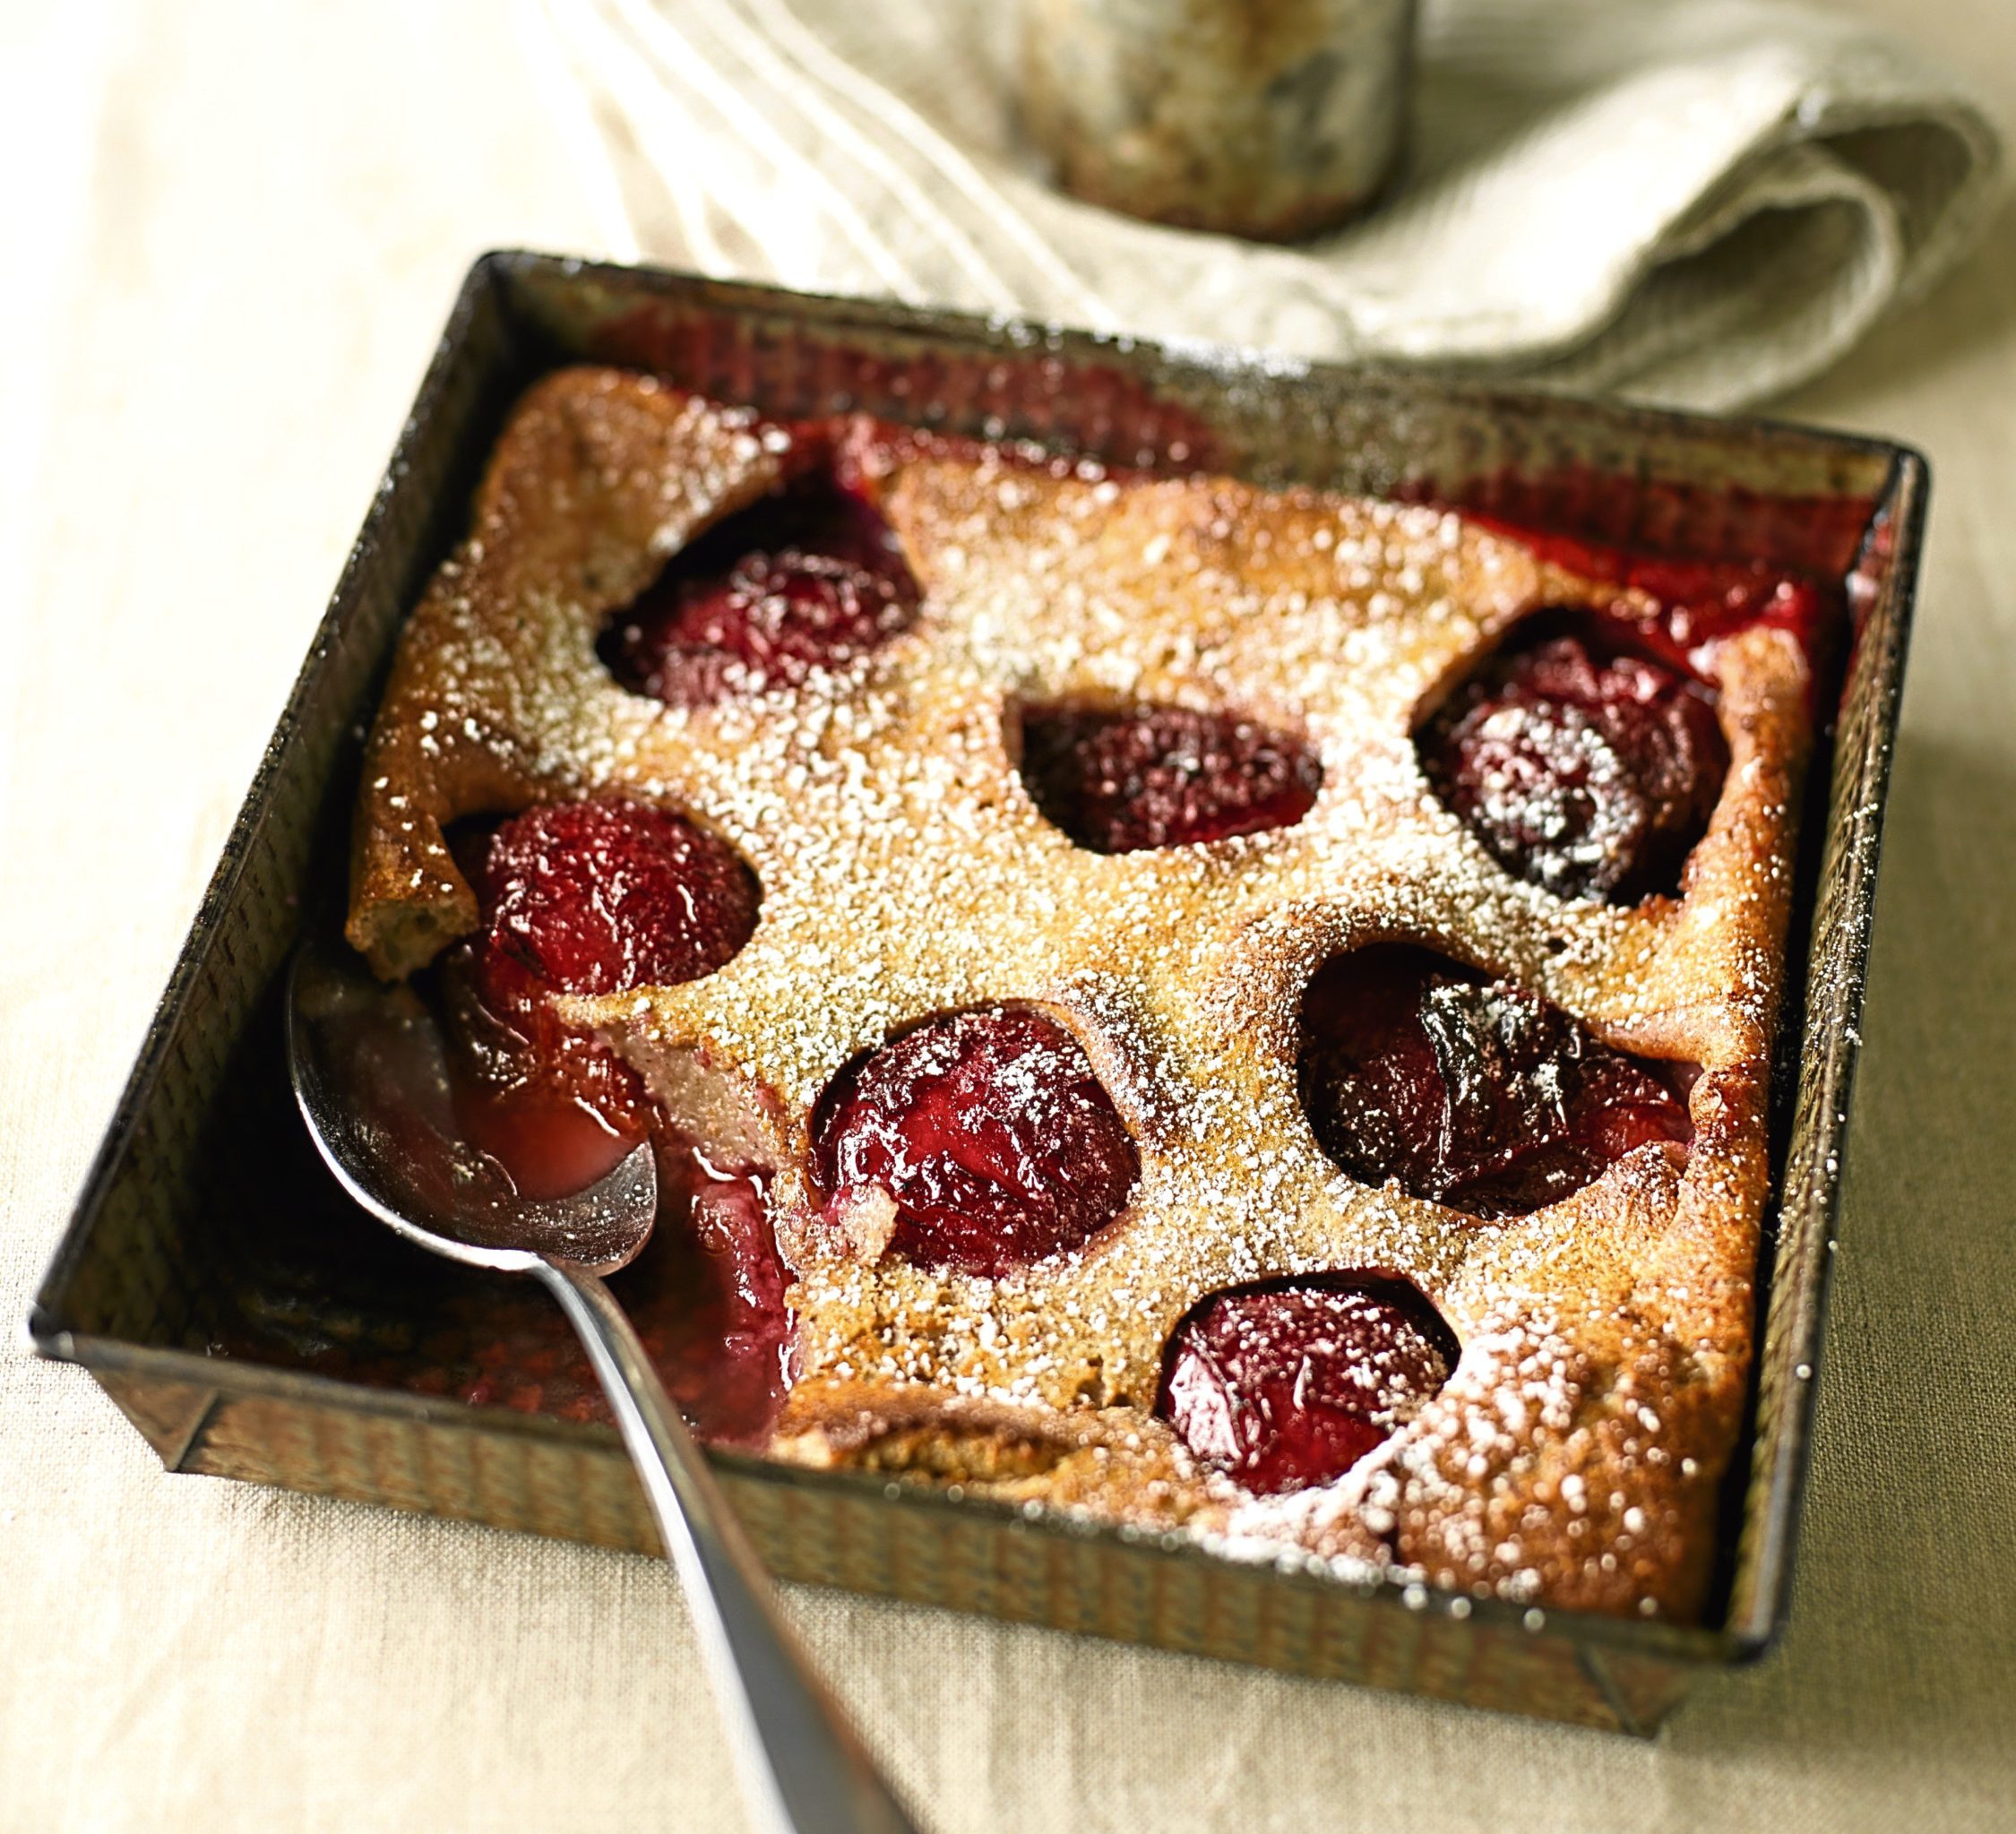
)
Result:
{"points": [[1698, 201], [240, 229]]}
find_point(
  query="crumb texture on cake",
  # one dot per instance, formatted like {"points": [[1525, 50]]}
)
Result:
{"points": [[1574, 1455]]}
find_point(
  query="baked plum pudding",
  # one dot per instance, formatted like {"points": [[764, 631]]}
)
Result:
{"points": [[1030, 902]]}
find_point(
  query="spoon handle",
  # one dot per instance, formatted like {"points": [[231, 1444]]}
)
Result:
{"points": [[801, 1760], [803, 1766]]}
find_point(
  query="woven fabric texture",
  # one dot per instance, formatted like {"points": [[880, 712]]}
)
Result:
{"points": [[1697, 201]]}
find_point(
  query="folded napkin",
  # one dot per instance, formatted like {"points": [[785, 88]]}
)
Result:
{"points": [[1697, 201]]}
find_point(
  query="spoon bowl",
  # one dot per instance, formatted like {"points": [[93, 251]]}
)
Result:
{"points": [[371, 1076]]}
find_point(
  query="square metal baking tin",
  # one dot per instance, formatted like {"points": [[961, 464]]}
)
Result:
{"points": [[202, 1171]]}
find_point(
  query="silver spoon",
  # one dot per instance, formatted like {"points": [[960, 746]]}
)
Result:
{"points": [[372, 1082]]}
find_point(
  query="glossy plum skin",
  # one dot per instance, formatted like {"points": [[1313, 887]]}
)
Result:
{"points": [[1583, 769], [1290, 1384], [988, 1130], [593, 897], [1148, 776], [810, 577], [1467, 1092]]}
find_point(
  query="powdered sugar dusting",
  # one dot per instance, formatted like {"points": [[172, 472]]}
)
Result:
{"points": [[906, 872]]}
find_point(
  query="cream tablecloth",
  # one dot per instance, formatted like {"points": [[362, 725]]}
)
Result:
{"points": [[230, 232]]}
